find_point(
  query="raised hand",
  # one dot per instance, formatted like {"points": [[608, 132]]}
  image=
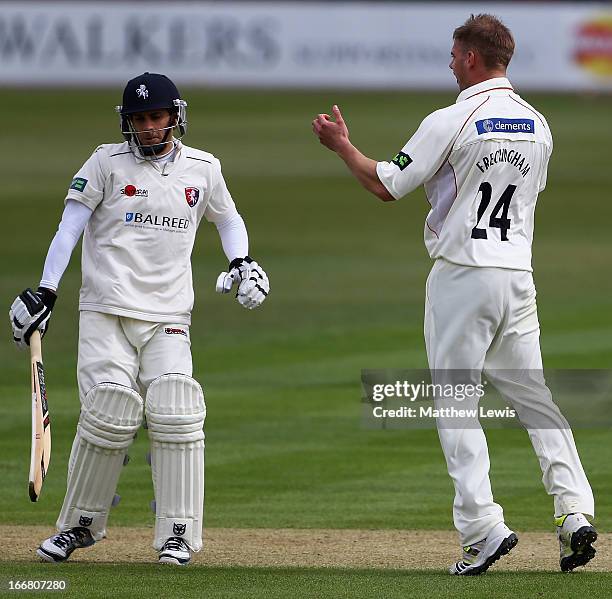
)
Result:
{"points": [[332, 134]]}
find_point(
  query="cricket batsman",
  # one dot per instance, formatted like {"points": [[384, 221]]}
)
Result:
{"points": [[483, 161], [139, 203]]}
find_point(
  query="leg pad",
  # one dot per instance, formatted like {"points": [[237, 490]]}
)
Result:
{"points": [[175, 412], [110, 416]]}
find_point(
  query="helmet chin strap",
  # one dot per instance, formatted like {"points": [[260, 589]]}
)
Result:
{"points": [[154, 150]]}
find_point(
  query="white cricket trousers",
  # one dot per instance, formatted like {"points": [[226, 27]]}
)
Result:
{"points": [[485, 319], [130, 352]]}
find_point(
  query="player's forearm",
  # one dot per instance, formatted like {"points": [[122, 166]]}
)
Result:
{"points": [[56, 261], [234, 237], [364, 170]]}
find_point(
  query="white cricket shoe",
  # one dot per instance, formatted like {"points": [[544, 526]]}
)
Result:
{"points": [[478, 557], [576, 536], [175, 551], [59, 547]]}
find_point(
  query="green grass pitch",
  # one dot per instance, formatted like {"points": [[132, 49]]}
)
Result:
{"points": [[284, 443]]}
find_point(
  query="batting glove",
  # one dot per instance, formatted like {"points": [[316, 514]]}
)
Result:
{"points": [[31, 310], [253, 283]]}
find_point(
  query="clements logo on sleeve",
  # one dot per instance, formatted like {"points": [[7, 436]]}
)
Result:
{"points": [[153, 221], [499, 125]]}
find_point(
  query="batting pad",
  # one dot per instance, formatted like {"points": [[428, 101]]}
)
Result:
{"points": [[110, 416], [175, 412]]}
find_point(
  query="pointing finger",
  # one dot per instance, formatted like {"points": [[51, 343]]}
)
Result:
{"points": [[337, 114]]}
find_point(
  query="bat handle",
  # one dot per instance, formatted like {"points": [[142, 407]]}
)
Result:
{"points": [[35, 346]]}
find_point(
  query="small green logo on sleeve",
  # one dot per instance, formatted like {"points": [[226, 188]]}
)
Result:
{"points": [[401, 160], [78, 183]]}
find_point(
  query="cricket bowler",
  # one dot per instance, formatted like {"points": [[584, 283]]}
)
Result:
{"points": [[139, 204], [482, 162]]}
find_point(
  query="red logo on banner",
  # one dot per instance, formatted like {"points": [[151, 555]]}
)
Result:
{"points": [[593, 48]]}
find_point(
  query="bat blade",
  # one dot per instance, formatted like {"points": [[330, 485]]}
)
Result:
{"points": [[40, 454]]}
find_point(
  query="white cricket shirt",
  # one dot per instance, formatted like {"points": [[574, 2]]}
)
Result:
{"points": [[482, 162], [137, 245]]}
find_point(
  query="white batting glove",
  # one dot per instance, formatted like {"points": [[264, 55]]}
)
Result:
{"points": [[253, 283], [31, 310]]}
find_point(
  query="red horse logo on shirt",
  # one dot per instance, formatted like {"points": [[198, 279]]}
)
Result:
{"points": [[192, 195]]}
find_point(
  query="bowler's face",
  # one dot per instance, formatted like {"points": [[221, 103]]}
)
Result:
{"points": [[457, 65]]}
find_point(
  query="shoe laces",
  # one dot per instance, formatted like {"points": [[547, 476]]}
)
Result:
{"points": [[64, 539], [74, 536], [175, 544]]}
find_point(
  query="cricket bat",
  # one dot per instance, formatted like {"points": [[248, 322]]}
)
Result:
{"points": [[41, 429]]}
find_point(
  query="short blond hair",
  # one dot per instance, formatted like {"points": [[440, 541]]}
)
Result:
{"points": [[488, 36]]}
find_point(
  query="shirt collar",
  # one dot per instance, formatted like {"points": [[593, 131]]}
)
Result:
{"points": [[178, 146], [497, 83]]}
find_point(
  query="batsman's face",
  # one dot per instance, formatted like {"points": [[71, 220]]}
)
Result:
{"points": [[151, 126]]}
